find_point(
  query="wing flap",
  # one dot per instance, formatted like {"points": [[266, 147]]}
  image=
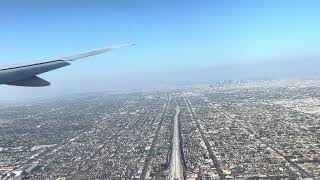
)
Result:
{"points": [[33, 81]]}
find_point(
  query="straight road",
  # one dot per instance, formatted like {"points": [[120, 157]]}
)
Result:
{"points": [[205, 140], [154, 141], [176, 168]]}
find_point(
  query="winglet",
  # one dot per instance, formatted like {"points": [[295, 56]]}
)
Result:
{"points": [[91, 53]]}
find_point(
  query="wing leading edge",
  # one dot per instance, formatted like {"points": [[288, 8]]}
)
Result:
{"points": [[26, 75]]}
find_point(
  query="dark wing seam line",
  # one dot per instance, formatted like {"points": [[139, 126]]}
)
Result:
{"points": [[31, 65]]}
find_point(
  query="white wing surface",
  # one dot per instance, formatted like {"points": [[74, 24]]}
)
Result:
{"points": [[26, 74]]}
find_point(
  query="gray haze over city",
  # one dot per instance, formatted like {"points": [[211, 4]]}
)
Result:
{"points": [[302, 68]]}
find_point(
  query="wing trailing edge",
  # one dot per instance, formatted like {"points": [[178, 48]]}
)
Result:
{"points": [[33, 81]]}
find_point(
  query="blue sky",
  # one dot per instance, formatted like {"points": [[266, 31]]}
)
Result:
{"points": [[170, 35]]}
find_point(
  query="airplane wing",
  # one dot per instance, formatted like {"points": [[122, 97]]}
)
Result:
{"points": [[26, 74]]}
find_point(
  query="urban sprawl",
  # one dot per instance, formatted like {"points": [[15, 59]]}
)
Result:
{"points": [[222, 130]]}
